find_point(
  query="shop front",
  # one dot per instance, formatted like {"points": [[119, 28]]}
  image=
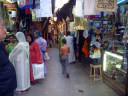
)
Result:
{"points": [[112, 71]]}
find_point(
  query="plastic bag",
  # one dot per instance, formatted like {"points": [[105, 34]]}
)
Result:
{"points": [[96, 54], [46, 56], [38, 71]]}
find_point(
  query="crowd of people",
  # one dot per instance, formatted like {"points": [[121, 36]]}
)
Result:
{"points": [[16, 71], [24, 50]]}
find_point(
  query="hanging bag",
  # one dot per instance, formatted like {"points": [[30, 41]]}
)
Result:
{"points": [[46, 56], [85, 49], [38, 71]]}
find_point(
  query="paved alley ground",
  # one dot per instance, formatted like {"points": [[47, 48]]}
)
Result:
{"points": [[79, 84]]}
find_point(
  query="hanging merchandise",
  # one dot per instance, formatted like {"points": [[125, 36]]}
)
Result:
{"points": [[85, 34], [98, 35], [72, 27], [45, 9], [124, 61], [85, 46], [80, 23], [33, 14], [10, 6], [106, 5], [21, 24], [37, 4], [85, 49], [79, 10], [89, 8], [34, 18], [21, 3], [1, 10], [27, 11], [13, 13], [7, 21]]}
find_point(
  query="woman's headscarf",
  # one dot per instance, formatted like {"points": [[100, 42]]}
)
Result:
{"points": [[38, 33], [31, 39], [20, 37]]}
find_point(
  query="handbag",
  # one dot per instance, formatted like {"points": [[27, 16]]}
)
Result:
{"points": [[38, 71], [46, 56]]}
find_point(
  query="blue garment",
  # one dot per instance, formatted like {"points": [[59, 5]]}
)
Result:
{"points": [[26, 6], [73, 34], [38, 33], [7, 73]]}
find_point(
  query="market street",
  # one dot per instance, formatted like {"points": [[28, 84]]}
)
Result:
{"points": [[79, 83]]}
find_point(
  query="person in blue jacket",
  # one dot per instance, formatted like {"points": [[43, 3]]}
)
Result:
{"points": [[7, 71]]}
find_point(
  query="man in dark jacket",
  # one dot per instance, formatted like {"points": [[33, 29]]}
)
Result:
{"points": [[7, 71]]}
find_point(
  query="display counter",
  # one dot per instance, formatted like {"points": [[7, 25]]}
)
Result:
{"points": [[112, 70]]}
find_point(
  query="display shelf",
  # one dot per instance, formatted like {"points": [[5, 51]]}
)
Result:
{"points": [[112, 72], [112, 66], [124, 71]]}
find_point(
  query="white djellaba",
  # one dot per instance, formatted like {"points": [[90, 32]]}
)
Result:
{"points": [[20, 59], [71, 55]]}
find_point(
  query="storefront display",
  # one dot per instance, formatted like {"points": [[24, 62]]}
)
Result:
{"points": [[112, 70]]}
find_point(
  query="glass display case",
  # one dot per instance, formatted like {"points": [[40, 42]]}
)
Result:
{"points": [[112, 67]]}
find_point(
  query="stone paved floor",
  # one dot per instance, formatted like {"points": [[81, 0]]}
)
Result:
{"points": [[55, 84]]}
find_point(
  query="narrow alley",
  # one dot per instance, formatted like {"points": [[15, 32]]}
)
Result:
{"points": [[79, 83]]}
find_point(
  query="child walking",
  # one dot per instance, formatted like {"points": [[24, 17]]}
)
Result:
{"points": [[64, 51]]}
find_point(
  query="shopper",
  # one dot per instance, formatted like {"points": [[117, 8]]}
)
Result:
{"points": [[12, 44], [50, 40], [43, 46], [61, 37], [54, 40], [69, 40], [35, 56], [20, 59], [7, 71], [64, 51]]}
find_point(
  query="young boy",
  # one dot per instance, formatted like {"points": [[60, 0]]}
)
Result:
{"points": [[64, 51]]}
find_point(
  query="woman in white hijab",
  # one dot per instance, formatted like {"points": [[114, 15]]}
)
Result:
{"points": [[20, 59]]}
